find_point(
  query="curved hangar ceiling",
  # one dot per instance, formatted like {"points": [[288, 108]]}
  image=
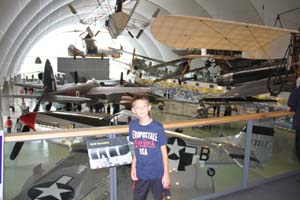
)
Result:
{"points": [[24, 22]]}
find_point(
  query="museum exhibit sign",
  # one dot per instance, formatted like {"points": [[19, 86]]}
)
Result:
{"points": [[104, 153]]}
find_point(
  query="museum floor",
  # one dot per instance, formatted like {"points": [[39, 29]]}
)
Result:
{"points": [[190, 184], [278, 188]]}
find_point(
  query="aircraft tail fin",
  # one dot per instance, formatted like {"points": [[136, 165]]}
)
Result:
{"points": [[49, 79], [261, 141]]}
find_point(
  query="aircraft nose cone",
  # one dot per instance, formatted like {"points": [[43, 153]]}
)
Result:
{"points": [[28, 119]]}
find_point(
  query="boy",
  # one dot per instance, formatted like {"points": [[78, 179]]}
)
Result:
{"points": [[149, 169]]}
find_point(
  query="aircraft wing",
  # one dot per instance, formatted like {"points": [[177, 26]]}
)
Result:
{"points": [[26, 96], [184, 150], [42, 121], [237, 155], [200, 32], [31, 85], [66, 179], [142, 56], [54, 98], [235, 100], [164, 64], [67, 99], [117, 90], [252, 88]]}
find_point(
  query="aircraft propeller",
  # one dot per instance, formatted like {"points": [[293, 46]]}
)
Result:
{"points": [[121, 79], [74, 12], [26, 128]]}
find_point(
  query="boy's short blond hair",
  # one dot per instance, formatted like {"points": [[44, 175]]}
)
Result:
{"points": [[139, 97]]}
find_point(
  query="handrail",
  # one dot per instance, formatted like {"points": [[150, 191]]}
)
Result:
{"points": [[97, 131]]}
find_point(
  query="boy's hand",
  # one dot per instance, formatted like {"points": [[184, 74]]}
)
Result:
{"points": [[133, 173], [166, 181]]}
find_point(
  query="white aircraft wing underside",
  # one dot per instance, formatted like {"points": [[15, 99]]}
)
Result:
{"points": [[66, 99], [26, 96], [31, 85], [117, 89]]}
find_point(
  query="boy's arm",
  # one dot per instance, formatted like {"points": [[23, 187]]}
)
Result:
{"points": [[166, 176], [133, 168]]}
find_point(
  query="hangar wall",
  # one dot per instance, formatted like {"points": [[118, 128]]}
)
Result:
{"points": [[86, 67]]}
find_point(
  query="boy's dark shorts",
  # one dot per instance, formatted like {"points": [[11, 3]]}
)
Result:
{"points": [[141, 188]]}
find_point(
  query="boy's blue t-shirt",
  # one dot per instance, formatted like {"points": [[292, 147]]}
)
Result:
{"points": [[147, 148]]}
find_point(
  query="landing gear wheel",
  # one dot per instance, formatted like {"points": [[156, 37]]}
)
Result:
{"points": [[275, 85], [277, 80], [211, 172], [48, 107], [68, 106], [79, 107]]}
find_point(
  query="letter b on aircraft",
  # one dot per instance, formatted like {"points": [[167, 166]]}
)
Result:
{"points": [[204, 153]]}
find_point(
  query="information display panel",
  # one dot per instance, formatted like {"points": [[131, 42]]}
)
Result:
{"points": [[105, 153]]}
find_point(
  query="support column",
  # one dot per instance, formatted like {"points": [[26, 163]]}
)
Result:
{"points": [[5, 102], [113, 177], [247, 153]]}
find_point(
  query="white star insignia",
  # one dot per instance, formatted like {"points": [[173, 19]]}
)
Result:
{"points": [[175, 148], [53, 190]]}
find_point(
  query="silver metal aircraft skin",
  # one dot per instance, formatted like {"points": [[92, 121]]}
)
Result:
{"points": [[72, 177]]}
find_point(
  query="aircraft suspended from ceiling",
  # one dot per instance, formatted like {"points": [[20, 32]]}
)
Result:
{"points": [[116, 16], [140, 67], [91, 48], [253, 41], [142, 64]]}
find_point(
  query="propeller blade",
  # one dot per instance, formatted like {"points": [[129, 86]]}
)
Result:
{"points": [[139, 34], [18, 145], [155, 14], [72, 9], [16, 150], [97, 33], [74, 76], [36, 108], [74, 12], [121, 79], [130, 34], [82, 34]]}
